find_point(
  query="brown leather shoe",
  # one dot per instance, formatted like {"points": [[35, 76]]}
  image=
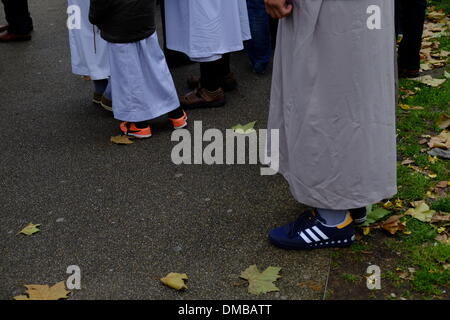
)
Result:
{"points": [[3, 27], [229, 83], [202, 98], [10, 37], [408, 73]]}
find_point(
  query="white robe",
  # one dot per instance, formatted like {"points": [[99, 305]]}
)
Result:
{"points": [[333, 100], [142, 86], [88, 50], [205, 29]]}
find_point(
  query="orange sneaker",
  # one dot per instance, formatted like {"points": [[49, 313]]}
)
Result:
{"points": [[179, 123], [130, 129]]}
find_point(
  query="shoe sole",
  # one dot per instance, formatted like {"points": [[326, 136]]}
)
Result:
{"points": [[183, 126], [326, 246], [225, 88], [214, 104], [360, 221], [104, 106], [138, 136]]}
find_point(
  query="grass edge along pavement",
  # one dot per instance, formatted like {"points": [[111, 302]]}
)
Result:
{"points": [[414, 255]]}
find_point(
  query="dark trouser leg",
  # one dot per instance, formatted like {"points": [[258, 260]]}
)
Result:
{"points": [[273, 31], [412, 13], [225, 68], [259, 49], [18, 16], [210, 74]]}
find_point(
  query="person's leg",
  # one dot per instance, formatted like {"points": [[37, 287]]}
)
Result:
{"points": [[18, 17], [210, 74], [99, 89], [100, 86], [259, 48], [209, 92], [332, 217], [413, 16]]}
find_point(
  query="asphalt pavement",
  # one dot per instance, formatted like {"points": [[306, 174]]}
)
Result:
{"points": [[126, 215]]}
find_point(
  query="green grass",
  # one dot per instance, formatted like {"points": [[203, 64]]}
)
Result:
{"points": [[431, 276], [442, 204], [420, 233], [351, 277], [441, 4], [418, 249]]}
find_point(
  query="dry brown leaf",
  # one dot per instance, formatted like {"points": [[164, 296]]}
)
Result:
{"points": [[443, 121], [442, 184], [393, 224], [442, 141], [443, 238], [407, 161], [311, 284], [441, 217]]}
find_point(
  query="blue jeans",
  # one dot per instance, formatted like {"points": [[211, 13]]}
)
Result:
{"points": [[259, 48]]}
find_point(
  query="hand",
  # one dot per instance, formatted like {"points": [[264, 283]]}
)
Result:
{"points": [[278, 8]]}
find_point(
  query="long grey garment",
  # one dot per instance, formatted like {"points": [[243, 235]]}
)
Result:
{"points": [[333, 100]]}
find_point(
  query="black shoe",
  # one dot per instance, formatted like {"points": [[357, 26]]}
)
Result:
{"points": [[359, 215]]}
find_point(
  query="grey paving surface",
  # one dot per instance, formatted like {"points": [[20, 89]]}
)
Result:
{"points": [[127, 215]]}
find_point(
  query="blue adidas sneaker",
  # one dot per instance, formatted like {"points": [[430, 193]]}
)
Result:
{"points": [[310, 232]]}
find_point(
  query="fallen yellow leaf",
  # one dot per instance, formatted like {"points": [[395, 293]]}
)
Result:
{"points": [[122, 139], [30, 229], [44, 292], [261, 282], [175, 280]]}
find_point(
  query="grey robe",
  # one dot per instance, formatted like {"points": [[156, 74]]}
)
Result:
{"points": [[333, 100]]}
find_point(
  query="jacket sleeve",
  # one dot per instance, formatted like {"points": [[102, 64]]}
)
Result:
{"points": [[98, 11]]}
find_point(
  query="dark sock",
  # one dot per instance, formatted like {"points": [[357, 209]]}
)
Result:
{"points": [[177, 113], [141, 125], [100, 85], [210, 75], [225, 68]]}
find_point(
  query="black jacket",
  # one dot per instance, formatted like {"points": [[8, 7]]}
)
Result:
{"points": [[123, 21]]}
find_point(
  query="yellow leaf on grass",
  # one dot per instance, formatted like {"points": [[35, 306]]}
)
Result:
{"points": [[432, 159], [44, 292], [175, 280], [261, 282], [30, 229], [408, 107], [366, 230], [421, 211], [399, 203], [388, 204], [122, 139]]}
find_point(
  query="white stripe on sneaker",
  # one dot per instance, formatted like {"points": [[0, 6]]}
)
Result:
{"points": [[312, 235], [320, 233], [304, 237]]}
